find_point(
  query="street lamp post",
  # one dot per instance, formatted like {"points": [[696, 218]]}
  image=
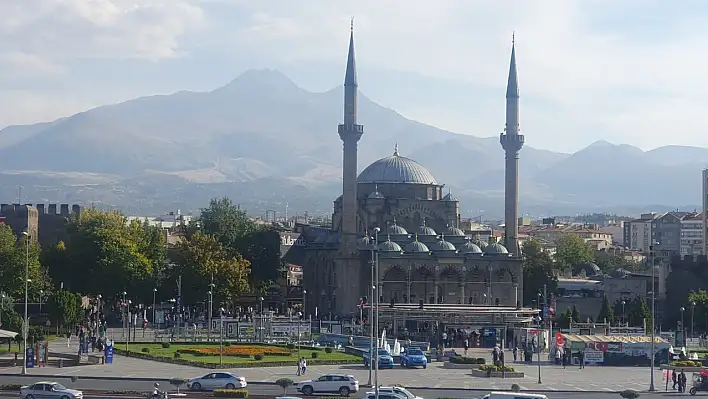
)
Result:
{"points": [[41, 293], [260, 316], [538, 338], [154, 311], [122, 309], [25, 327], [653, 314], [623, 303], [377, 300], [221, 337], [210, 293], [304, 309], [2, 305], [693, 308], [371, 299], [127, 313], [683, 326]]}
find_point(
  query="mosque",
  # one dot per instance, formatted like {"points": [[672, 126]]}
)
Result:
{"points": [[397, 212]]}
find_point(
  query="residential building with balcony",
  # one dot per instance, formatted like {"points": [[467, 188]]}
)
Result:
{"points": [[692, 234], [637, 232]]}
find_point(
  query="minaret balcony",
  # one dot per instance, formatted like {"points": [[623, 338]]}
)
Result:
{"points": [[511, 142], [350, 130]]}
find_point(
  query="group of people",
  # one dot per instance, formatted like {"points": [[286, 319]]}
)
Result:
{"points": [[680, 380], [564, 358]]}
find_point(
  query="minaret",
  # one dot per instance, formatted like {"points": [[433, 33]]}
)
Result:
{"points": [[511, 142], [350, 132]]}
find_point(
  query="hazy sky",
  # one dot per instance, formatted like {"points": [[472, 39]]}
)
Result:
{"points": [[629, 71]]}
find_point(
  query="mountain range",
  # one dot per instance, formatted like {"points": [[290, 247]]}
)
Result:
{"points": [[265, 141]]}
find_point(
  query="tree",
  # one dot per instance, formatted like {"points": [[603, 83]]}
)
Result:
{"points": [[572, 250], [565, 319], [639, 313], [240, 235], [107, 255], [284, 383], [700, 312], [538, 271], [16, 259], [575, 315], [606, 312], [65, 309], [202, 256]]}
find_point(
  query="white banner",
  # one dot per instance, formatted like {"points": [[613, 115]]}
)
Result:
{"points": [[594, 357]]}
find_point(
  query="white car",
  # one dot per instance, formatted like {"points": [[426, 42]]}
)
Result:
{"points": [[329, 383], [384, 395], [217, 381], [400, 391], [49, 390]]}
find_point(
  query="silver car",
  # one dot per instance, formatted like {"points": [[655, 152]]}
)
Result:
{"points": [[49, 390], [217, 381]]}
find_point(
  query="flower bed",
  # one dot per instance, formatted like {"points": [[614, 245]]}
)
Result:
{"points": [[245, 351]]}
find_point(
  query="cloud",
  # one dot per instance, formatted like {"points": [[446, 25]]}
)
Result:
{"points": [[21, 65], [61, 29]]}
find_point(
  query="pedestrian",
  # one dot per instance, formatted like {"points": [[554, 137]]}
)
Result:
{"points": [[674, 379], [581, 358], [299, 366], [558, 357], [304, 366], [683, 381], [516, 353], [467, 346]]}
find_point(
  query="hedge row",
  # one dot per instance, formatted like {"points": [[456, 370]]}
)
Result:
{"points": [[231, 393], [467, 360], [178, 360]]}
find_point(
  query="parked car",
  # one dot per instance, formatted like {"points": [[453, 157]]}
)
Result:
{"points": [[219, 380], [329, 383], [414, 357], [47, 390], [383, 395], [385, 359], [399, 391]]}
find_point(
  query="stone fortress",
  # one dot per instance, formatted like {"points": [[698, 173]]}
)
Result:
{"points": [[424, 256], [45, 223]]}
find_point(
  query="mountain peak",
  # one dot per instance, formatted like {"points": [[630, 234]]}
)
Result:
{"points": [[260, 79]]}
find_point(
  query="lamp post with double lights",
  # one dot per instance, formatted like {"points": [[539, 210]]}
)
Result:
{"points": [[538, 336], [653, 313], [693, 308], [221, 337], [623, 303], [25, 327], [260, 325], [154, 310], [372, 332], [683, 326], [211, 306]]}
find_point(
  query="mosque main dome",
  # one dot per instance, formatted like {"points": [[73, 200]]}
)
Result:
{"points": [[396, 169]]}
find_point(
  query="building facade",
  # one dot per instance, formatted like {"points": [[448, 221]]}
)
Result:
{"points": [[704, 191], [637, 232], [692, 229], [396, 211]]}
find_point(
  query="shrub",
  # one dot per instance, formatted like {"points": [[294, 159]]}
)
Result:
{"points": [[328, 350], [10, 387], [231, 393], [629, 394], [178, 382], [284, 383], [290, 346], [467, 360], [491, 367], [238, 350], [165, 345], [258, 356], [515, 388], [177, 355], [314, 355], [686, 363], [145, 350], [227, 344]]}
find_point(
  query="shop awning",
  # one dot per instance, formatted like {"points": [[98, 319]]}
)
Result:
{"points": [[8, 334], [628, 339]]}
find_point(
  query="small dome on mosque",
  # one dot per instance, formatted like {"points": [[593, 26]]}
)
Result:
{"points": [[416, 246], [442, 245], [470, 248], [364, 242], [424, 230], [449, 196], [333, 239], [480, 243], [389, 246], [376, 194], [495, 249], [454, 231], [396, 169], [396, 230]]}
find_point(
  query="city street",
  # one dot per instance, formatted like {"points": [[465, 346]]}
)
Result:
{"points": [[554, 378]]}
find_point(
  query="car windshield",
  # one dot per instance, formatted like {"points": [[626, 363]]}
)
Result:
{"points": [[415, 352], [59, 387], [383, 352]]}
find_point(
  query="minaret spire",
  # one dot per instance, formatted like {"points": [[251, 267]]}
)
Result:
{"points": [[512, 142], [350, 132]]}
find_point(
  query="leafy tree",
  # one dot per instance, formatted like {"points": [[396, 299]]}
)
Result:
{"points": [[563, 320], [16, 259], [240, 235], [700, 312], [106, 255], [65, 308], [575, 315], [606, 312], [538, 270], [202, 256], [572, 250], [639, 313]]}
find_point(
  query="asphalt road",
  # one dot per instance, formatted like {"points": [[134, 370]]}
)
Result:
{"points": [[268, 389]]}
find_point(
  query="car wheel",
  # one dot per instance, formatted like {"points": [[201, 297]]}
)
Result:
{"points": [[693, 391], [344, 391], [425, 366], [307, 390], [196, 386], [29, 397], [64, 397], [230, 386]]}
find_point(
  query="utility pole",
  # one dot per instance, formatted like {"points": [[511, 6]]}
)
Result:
{"points": [[179, 303]]}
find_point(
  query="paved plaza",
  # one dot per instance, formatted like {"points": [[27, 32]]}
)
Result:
{"points": [[554, 378]]}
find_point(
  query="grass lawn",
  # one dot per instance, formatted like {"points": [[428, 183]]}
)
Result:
{"points": [[158, 350]]}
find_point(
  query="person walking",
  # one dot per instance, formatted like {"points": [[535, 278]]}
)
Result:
{"points": [[581, 358], [674, 379], [466, 346]]}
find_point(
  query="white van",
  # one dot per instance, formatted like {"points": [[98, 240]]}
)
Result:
{"points": [[514, 395]]}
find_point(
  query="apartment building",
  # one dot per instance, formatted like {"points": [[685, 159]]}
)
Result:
{"points": [[692, 233], [591, 233], [637, 232]]}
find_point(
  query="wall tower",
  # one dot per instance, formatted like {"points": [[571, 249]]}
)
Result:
{"points": [[511, 141], [350, 132]]}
